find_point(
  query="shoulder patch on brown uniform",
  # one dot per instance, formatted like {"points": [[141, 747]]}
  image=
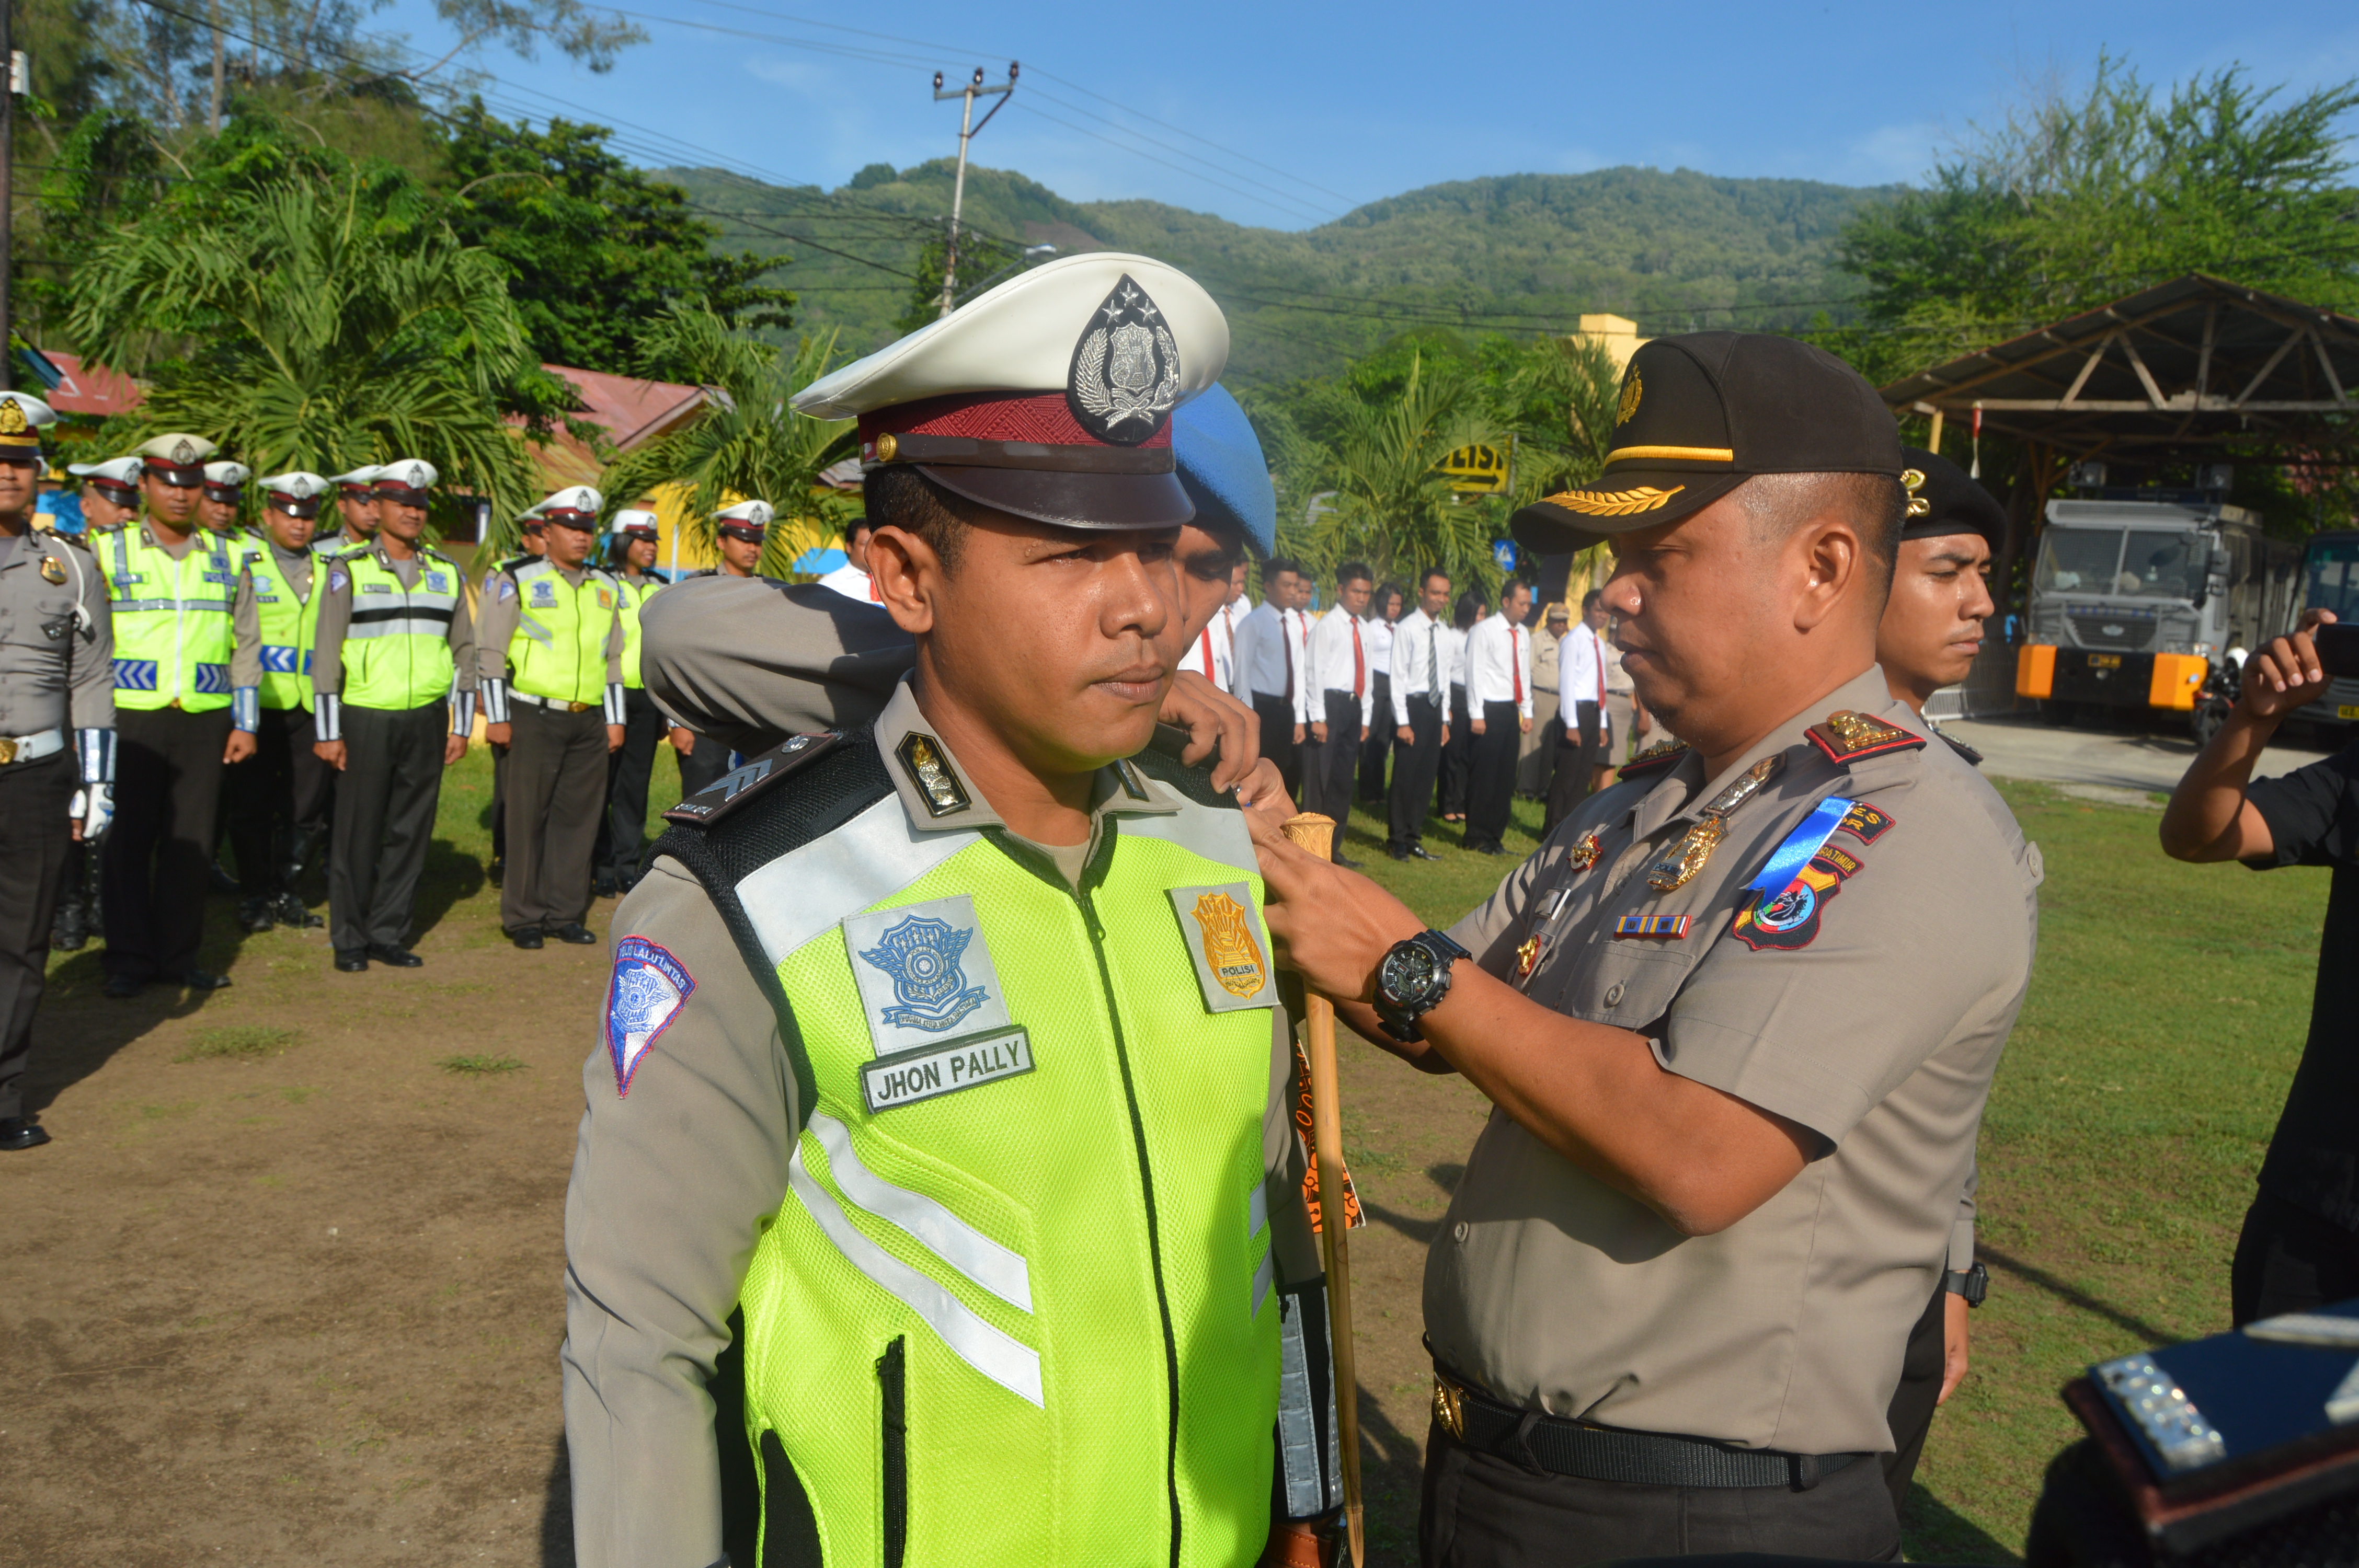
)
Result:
{"points": [[1655, 757], [1847, 737], [731, 790]]}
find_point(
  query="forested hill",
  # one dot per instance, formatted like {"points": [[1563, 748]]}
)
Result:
{"points": [[1516, 253]]}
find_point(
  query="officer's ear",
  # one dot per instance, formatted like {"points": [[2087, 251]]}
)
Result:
{"points": [[908, 576]]}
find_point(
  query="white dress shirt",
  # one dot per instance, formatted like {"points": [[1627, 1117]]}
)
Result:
{"points": [[1377, 634], [1581, 673], [1498, 665], [852, 582], [1269, 649], [1453, 655], [1339, 663], [1419, 665], [1214, 653]]}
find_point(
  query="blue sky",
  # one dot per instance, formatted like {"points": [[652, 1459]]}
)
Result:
{"points": [[1290, 115]]}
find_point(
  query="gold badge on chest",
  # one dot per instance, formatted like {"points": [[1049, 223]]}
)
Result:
{"points": [[53, 570], [1679, 864]]}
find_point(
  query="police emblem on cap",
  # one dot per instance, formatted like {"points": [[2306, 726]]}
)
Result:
{"points": [[1126, 371], [1913, 481], [12, 417], [183, 451], [1632, 390]]}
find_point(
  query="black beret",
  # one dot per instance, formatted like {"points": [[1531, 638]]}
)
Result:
{"points": [[1942, 500]]}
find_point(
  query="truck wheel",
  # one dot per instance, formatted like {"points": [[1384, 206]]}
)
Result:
{"points": [[2205, 721]]}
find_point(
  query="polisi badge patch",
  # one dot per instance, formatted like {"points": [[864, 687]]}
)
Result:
{"points": [[648, 988], [1228, 945]]}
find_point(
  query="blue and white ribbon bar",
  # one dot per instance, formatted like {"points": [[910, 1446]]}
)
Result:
{"points": [[1673, 926], [1800, 843]]}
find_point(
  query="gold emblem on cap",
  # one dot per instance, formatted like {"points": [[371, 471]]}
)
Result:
{"points": [[887, 447], [183, 452], [1230, 950], [1632, 389], [12, 417], [1613, 502], [1913, 479]]}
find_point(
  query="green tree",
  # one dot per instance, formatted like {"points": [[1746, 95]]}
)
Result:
{"points": [[599, 251], [981, 260], [289, 326], [753, 446]]}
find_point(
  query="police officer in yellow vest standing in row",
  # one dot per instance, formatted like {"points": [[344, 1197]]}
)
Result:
{"points": [[278, 796], [623, 834], [355, 523], [56, 738], [110, 497], [550, 666], [175, 639], [530, 546], [393, 679]]}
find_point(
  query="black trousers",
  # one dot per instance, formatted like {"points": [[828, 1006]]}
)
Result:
{"points": [[35, 835], [1485, 1512], [158, 857], [1338, 761], [1458, 757], [277, 801], [1491, 775], [1413, 766], [500, 803], [623, 831], [1577, 753], [1277, 739], [557, 793], [702, 767], [1910, 1415], [385, 819], [2289, 1259], [1380, 741]]}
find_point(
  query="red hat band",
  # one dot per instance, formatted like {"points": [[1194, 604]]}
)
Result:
{"points": [[1034, 430]]}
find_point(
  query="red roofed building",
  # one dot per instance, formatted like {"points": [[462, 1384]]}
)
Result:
{"points": [[629, 410], [85, 394]]}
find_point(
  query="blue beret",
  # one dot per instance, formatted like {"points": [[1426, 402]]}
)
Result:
{"points": [[1222, 466]]}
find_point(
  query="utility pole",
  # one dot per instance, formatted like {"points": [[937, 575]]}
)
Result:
{"points": [[9, 192], [968, 127]]}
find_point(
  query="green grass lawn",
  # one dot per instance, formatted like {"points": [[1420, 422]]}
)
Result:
{"points": [[2166, 1014]]}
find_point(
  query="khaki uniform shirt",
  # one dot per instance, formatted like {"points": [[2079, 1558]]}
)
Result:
{"points": [[503, 611], [1871, 1010], [750, 661], [57, 667], [336, 619], [673, 1185]]}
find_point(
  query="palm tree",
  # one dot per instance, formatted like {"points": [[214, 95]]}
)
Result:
{"points": [[325, 338], [753, 443]]}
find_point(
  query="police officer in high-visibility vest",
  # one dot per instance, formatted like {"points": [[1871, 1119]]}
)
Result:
{"points": [[531, 545], [622, 833], [550, 666], [56, 738], [221, 497], [983, 1125], [393, 681], [278, 796], [177, 721], [354, 525], [110, 497]]}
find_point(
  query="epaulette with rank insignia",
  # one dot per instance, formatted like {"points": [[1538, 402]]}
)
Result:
{"points": [[735, 788], [1848, 737], [1655, 757]]}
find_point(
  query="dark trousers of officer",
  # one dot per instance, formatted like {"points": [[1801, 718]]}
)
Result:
{"points": [[1919, 1390], [1458, 756], [277, 800], [2289, 1259], [1536, 758], [557, 793], [35, 835], [1379, 743], [1482, 1511], [1491, 775], [157, 858], [500, 803], [1277, 739], [1577, 753], [385, 819], [623, 831], [1413, 766], [1329, 767], [702, 768]]}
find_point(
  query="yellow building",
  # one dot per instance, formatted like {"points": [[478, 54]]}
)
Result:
{"points": [[1619, 335]]}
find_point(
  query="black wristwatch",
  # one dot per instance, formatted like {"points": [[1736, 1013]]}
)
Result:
{"points": [[1972, 1283], [1412, 981]]}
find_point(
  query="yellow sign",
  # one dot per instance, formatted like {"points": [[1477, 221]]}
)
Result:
{"points": [[1477, 469]]}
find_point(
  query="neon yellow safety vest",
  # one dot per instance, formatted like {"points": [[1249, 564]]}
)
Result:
{"points": [[174, 628], [290, 623], [396, 652], [1017, 1308], [558, 650], [635, 592]]}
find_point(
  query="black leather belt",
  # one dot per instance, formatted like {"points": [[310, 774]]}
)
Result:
{"points": [[1575, 1448]]}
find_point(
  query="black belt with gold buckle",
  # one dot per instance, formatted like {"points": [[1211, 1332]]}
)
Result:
{"points": [[1560, 1447]]}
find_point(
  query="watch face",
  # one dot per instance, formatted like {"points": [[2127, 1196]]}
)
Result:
{"points": [[1407, 973]]}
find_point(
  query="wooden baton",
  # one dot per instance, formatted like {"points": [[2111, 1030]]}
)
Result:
{"points": [[1315, 833]]}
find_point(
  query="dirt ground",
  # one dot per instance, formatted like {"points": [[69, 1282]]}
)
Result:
{"points": [[301, 1303]]}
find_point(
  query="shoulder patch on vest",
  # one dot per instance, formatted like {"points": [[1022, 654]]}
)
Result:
{"points": [[1849, 736], [1655, 759], [739, 786]]}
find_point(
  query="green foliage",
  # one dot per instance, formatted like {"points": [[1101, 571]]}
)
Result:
{"points": [[308, 323], [244, 1042], [982, 261], [599, 251], [478, 1065], [756, 446]]}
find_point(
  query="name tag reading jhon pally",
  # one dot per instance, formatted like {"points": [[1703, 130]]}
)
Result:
{"points": [[913, 1075]]}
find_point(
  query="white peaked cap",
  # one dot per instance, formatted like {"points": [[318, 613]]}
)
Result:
{"points": [[631, 519], [121, 470], [227, 473], [1021, 336], [573, 498], [757, 513], [415, 473], [357, 476], [300, 485]]}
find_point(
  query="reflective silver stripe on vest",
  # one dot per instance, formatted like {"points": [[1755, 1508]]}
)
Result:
{"points": [[1012, 1365], [1217, 834], [934, 1228], [438, 628], [1298, 1432], [874, 856]]}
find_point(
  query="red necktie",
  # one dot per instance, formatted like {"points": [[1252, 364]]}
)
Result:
{"points": [[873, 597], [1516, 660], [1208, 651], [1359, 662], [1597, 657]]}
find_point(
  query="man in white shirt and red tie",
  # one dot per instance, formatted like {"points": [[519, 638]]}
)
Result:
{"points": [[1581, 712], [851, 580], [1267, 667], [1499, 703], [1420, 701], [1214, 653], [1343, 699]]}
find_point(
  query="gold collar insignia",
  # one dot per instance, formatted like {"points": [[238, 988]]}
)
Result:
{"points": [[937, 782]]}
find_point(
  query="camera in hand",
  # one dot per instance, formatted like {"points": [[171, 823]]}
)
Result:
{"points": [[2338, 647]]}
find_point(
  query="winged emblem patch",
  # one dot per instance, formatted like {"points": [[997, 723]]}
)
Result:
{"points": [[1125, 379]]}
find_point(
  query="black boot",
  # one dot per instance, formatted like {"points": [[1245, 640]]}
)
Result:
{"points": [[254, 916], [70, 932]]}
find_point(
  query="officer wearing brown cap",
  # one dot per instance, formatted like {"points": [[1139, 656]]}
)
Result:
{"points": [[738, 533], [356, 511], [532, 543], [1736, 1017]]}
